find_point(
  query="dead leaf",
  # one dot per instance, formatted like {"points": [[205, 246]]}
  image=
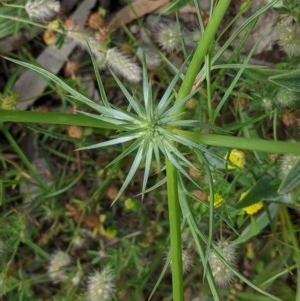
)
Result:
{"points": [[134, 11], [89, 221]]}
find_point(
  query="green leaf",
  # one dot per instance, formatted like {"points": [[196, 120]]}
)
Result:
{"points": [[289, 80], [292, 179], [263, 189], [241, 143], [134, 167], [54, 118]]}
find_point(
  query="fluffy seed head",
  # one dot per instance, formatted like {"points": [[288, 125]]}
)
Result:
{"points": [[289, 38], [221, 273], [56, 269], [42, 10], [123, 65], [83, 38], [286, 98], [187, 260], [267, 104], [101, 286], [168, 37]]}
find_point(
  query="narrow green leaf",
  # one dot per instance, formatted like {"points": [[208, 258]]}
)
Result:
{"points": [[241, 143], [54, 118], [148, 149], [98, 77], [134, 167], [115, 121], [229, 90], [166, 98], [139, 110], [120, 139]]}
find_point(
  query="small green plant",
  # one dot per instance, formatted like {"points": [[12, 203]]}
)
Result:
{"points": [[216, 181]]}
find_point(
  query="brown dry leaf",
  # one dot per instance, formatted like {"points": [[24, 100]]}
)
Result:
{"points": [[89, 221], [288, 119], [134, 11]]}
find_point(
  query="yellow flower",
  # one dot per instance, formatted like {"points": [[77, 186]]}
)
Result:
{"points": [[237, 158], [252, 209], [218, 200]]}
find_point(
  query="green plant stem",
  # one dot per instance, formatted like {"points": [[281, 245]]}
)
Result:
{"points": [[172, 177], [262, 145], [54, 118], [175, 233], [202, 49]]}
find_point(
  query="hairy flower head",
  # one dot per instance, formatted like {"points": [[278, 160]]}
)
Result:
{"points": [[286, 98], [122, 65], [58, 262], [42, 10], [168, 37], [101, 286], [289, 38], [221, 272]]}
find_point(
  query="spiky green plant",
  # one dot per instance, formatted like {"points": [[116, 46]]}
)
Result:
{"points": [[147, 126], [151, 129]]}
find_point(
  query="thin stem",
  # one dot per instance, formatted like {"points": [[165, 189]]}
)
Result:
{"points": [[175, 233], [172, 177], [281, 147], [54, 118], [202, 49]]}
